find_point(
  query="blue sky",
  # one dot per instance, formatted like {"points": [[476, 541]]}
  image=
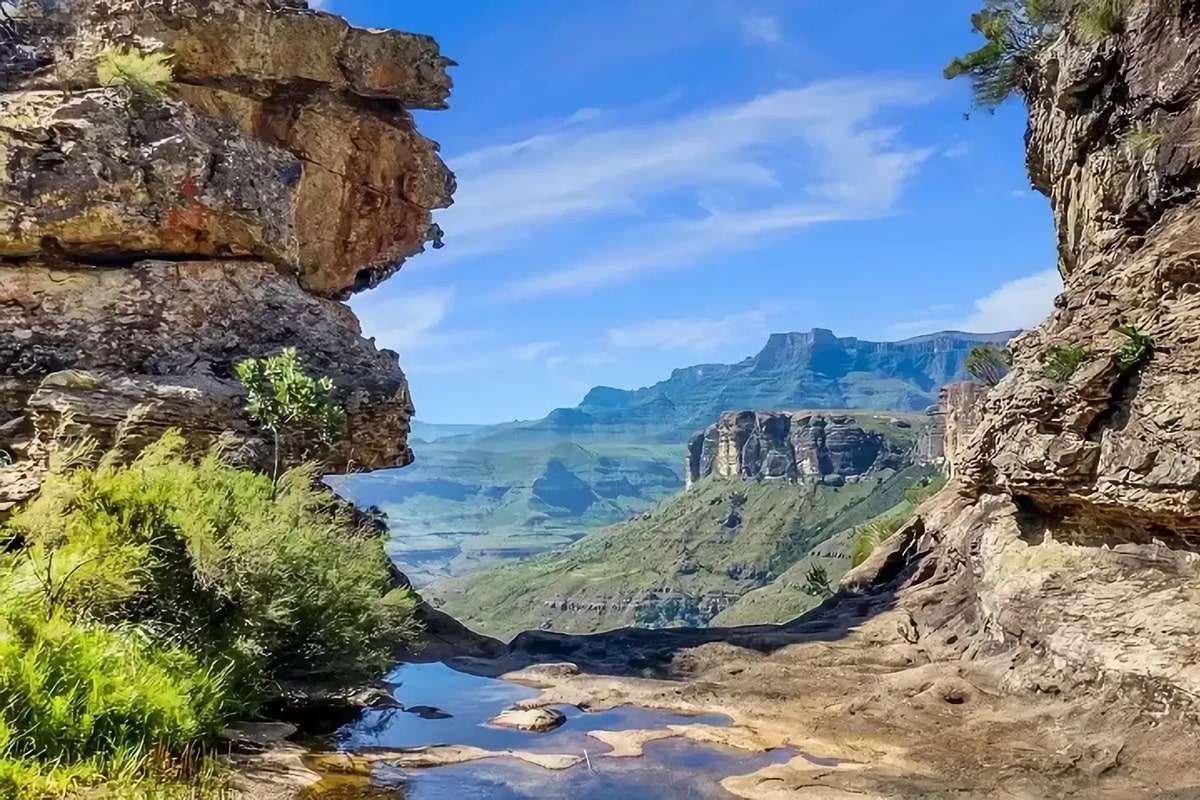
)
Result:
{"points": [[646, 184]]}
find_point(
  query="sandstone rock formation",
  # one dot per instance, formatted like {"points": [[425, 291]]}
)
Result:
{"points": [[149, 243], [1065, 550], [951, 423], [786, 446], [1032, 631]]}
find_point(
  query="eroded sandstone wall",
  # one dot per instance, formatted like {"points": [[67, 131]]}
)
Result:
{"points": [[1065, 552], [786, 446], [147, 244]]}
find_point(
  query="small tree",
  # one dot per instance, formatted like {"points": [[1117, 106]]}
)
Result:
{"points": [[282, 398], [816, 582], [989, 363]]}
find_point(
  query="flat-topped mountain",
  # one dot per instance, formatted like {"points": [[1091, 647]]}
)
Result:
{"points": [[480, 493]]}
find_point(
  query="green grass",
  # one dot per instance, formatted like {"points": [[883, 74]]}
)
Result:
{"points": [[1099, 19], [150, 602], [688, 546], [1140, 141], [1062, 362]]}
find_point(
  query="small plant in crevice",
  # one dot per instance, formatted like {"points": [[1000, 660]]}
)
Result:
{"points": [[816, 582], [870, 535], [1016, 32], [1098, 19], [1062, 362], [282, 398], [144, 76], [1135, 350], [989, 363], [1140, 141]]}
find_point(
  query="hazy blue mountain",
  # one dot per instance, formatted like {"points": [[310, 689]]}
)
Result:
{"points": [[481, 493]]}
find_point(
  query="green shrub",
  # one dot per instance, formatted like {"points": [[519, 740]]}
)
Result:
{"points": [[146, 75], [1136, 349], [871, 534], [1061, 362], [816, 582], [1015, 32], [1097, 19], [284, 399], [275, 579], [153, 600], [989, 363]]}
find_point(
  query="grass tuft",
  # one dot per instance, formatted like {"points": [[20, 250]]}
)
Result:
{"points": [[1062, 362]]}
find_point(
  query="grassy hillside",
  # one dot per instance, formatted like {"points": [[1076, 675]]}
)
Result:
{"points": [[684, 562], [479, 494]]}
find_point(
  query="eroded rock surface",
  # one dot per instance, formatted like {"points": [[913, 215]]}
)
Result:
{"points": [[149, 243], [1032, 631], [786, 446]]}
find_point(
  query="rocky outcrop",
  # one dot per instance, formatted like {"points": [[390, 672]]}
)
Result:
{"points": [[786, 446], [148, 243], [1065, 550]]}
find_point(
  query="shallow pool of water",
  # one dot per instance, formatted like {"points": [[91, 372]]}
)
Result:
{"points": [[455, 708], [469, 701]]}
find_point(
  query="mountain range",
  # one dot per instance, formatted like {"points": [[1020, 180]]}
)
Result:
{"points": [[481, 493]]}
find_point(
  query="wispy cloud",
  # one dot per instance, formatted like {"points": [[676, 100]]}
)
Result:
{"points": [[780, 162], [406, 322], [1022, 303], [695, 334], [762, 27], [532, 351]]}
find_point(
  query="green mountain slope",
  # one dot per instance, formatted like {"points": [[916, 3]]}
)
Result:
{"points": [[685, 562], [480, 494]]}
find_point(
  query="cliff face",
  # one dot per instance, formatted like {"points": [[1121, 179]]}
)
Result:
{"points": [[1066, 549], [787, 446], [148, 244]]}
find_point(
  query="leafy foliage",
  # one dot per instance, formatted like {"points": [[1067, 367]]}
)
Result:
{"points": [[989, 363], [1097, 19], [672, 612], [152, 600], [1062, 362], [285, 400], [1015, 31], [816, 582], [1136, 349], [145, 75], [1140, 140]]}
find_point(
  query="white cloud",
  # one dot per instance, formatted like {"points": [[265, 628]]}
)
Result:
{"points": [[787, 159], [1022, 303], [695, 334], [404, 321], [762, 27], [583, 115], [532, 351]]}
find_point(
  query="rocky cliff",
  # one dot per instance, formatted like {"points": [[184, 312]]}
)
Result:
{"points": [[153, 236], [1064, 552], [1032, 630], [788, 446]]}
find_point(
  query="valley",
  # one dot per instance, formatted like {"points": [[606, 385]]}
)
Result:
{"points": [[478, 495]]}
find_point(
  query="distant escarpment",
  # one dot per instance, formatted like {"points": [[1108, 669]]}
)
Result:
{"points": [[766, 490], [155, 230], [1065, 550], [789, 446]]}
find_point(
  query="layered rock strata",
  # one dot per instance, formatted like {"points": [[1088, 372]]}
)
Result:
{"points": [[1065, 550], [786, 446], [152, 237]]}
